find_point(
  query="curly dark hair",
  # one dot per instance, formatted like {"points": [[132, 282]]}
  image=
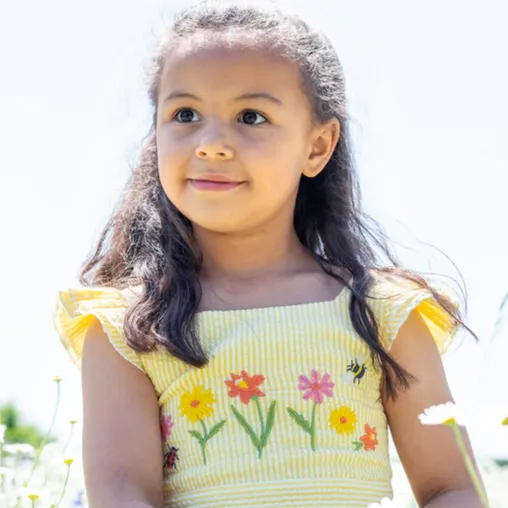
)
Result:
{"points": [[149, 243]]}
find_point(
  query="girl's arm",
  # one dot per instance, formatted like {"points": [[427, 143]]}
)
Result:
{"points": [[122, 450], [429, 454]]}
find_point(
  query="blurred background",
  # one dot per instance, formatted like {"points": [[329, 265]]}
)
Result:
{"points": [[427, 89]]}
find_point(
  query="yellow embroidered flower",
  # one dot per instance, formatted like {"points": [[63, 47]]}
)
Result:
{"points": [[343, 420], [197, 405]]}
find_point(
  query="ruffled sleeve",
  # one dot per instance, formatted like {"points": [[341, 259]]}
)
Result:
{"points": [[396, 298], [75, 311]]}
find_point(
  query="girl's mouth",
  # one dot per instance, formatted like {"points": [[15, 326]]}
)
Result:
{"points": [[214, 183]]}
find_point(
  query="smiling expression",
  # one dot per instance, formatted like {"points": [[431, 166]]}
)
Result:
{"points": [[233, 136]]}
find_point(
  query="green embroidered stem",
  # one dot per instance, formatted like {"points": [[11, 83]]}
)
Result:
{"points": [[203, 441], [313, 428], [260, 415], [469, 464]]}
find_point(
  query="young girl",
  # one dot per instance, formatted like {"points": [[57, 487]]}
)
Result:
{"points": [[241, 344]]}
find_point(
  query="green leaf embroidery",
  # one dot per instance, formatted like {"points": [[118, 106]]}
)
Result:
{"points": [[270, 419], [197, 435], [215, 429], [243, 422], [300, 420], [358, 445]]}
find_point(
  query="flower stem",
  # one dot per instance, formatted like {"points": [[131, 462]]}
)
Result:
{"points": [[69, 439], [260, 415], [47, 436], [203, 443], [64, 486], [313, 428], [469, 464]]}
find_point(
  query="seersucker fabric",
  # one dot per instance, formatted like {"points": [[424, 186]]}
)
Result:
{"points": [[286, 413]]}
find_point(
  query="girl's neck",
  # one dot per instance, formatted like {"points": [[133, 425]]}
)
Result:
{"points": [[249, 255]]}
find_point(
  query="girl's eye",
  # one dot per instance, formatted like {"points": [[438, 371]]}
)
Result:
{"points": [[249, 118], [185, 115]]}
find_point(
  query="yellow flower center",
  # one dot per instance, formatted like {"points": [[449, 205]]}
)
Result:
{"points": [[372, 437], [450, 421], [195, 403], [242, 384]]}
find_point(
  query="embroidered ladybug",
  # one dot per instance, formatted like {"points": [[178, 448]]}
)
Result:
{"points": [[358, 370], [170, 458]]}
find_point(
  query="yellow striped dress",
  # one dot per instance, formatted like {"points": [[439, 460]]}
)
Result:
{"points": [[286, 413]]}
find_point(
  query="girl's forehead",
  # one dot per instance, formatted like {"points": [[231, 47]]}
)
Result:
{"points": [[217, 66]]}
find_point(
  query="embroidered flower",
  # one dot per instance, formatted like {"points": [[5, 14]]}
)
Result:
{"points": [[369, 440], [166, 427], [343, 420], [247, 388], [244, 386], [315, 388], [197, 404]]}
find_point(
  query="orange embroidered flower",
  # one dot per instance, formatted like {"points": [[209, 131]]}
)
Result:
{"points": [[244, 386], [369, 440]]}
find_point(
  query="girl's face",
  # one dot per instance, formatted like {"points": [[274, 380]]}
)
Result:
{"points": [[234, 136]]}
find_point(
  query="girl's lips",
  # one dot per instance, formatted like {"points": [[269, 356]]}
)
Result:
{"points": [[214, 185]]}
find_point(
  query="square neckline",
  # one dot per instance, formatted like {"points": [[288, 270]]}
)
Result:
{"points": [[271, 308]]}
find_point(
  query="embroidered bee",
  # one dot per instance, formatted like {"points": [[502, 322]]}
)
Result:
{"points": [[170, 458], [357, 369]]}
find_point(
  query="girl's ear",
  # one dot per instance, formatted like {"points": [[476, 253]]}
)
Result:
{"points": [[323, 143]]}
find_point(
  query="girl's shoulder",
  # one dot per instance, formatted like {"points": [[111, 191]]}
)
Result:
{"points": [[76, 308]]}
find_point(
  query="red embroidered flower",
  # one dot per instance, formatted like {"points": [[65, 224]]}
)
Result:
{"points": [[315, 388], [166, 427], [244, 386], [369, 440]]}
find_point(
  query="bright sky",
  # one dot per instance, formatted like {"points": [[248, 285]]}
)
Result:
{"points": [[427, 89]]}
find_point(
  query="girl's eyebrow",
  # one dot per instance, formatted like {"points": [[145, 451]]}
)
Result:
{"points": [[251, 95]]}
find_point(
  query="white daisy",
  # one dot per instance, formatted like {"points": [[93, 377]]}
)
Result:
{"points": [[442, 414], [19, 449], [385, 503]]}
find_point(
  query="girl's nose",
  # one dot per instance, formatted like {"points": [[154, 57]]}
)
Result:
{"points": [[214, 151]]}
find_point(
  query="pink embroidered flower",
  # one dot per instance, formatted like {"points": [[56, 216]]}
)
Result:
{"points": [[314, 388], [166, 427]]}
